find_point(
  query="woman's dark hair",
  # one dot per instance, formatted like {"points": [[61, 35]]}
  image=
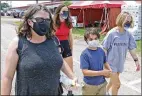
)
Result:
{"points": [[93, 31], [25, 29], [57, 19]]}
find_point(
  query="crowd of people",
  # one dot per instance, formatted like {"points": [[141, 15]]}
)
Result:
{"points": [[43, 48]]}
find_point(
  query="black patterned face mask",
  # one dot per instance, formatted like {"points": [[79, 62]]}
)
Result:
{"points": [[41, 26]]}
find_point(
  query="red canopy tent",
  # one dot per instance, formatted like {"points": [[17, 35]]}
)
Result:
{"points": [[78, 9], [112, 9], [108, 4], [82, 10], [87, 10]]}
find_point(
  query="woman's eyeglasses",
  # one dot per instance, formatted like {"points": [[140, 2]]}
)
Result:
{"points": [[39, 19]]}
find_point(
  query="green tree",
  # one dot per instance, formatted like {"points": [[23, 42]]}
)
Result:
{"points": [[4, 6], [67, 2]]}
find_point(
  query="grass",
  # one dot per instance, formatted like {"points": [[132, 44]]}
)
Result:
{"points": [[139, 46], [79, 33], [17, 23]]}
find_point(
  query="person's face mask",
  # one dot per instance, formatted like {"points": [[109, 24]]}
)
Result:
{"points": [[93, 44], [127, 25], [41, 26], [64, 14], [127, 22]]}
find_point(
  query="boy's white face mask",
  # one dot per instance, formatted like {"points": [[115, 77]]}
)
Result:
{"points": [[93, 43]]}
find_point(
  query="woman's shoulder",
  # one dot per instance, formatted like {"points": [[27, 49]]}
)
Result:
{"points": [[14, 44], [15, 40], [112, 31]]}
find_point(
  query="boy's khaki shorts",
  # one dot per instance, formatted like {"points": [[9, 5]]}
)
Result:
{"points": [[94, 90]]}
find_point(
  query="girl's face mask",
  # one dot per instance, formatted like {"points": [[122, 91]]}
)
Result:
{"points": [[127, 25], [64, 14], [127, 22]]}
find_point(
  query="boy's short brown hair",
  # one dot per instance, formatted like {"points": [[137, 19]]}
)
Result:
{"points": [[93, 31]]}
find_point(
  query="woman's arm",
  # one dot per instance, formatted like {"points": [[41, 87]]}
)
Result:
{"points": [[71, 40], [10, 67], [67, 70], [134, 56], [132, 49]]}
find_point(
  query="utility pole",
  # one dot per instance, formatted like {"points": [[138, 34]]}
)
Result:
{"points": [[36, 1], [10, 4]]}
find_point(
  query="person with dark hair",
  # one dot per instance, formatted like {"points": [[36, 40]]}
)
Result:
{"points": [[63, 26], [94, 65], [34, 55]]}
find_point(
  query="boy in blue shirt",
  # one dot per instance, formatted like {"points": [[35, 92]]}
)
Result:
{"points": [[94, 66]]}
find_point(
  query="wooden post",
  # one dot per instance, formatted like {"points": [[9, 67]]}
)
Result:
{"points": [[83, 19], [36, 1]]}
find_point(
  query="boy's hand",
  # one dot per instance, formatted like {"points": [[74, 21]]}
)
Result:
{"points": [[108, 76], [110, 70], [106, 73]]}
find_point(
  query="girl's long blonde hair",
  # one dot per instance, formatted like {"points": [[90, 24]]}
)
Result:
{"points": [[120, 20]]}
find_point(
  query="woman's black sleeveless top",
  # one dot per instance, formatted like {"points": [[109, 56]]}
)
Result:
{"points": [[38, 69]]}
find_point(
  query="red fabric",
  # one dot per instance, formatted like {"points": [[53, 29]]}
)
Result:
{"points": [[78, 13], [63, 31], [92, 15], [95, 11], [89, 15], [113, 13]]}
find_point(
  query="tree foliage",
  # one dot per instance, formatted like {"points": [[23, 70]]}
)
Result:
{"points": [[4, 6], [67, 2]]}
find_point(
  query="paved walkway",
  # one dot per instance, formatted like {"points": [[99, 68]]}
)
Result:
{"points": [[131, 80]]}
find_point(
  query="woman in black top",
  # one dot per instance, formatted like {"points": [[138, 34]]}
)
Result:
{"points": [[35, 55]]}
